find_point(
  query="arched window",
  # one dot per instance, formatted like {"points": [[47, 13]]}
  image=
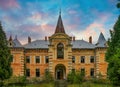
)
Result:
{"points": [[60, 51]]}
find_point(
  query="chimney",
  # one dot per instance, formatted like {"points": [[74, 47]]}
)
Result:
{"points": [[90, 39], [29, 39], [71, 38], [45, 38], [74, 38]]}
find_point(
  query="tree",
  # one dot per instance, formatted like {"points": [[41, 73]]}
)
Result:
{"points": [[5, 57], [114, 68], [113, 53], [48, 76]]}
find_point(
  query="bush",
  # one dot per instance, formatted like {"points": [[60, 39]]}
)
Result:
{"points": [[20, 80], [76, 77], [1, 83], [48, 77], [34, 80], [100, 79]]}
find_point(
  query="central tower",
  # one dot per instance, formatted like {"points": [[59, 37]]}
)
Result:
{"points": [[60, 52]]}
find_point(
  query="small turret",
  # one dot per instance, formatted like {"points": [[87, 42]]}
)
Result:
{"points": [[101, 41], [10, 41]]}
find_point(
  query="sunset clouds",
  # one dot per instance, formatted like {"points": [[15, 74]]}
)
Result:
{"points": [[38, 18], [8, 4]]}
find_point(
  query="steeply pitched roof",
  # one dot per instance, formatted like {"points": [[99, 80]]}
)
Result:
{"points": [[81, 44], [60, 27], [16, 43], [40, 44], [10, 38], [101, 41]]}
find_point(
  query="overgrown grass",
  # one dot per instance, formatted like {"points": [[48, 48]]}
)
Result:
{"points": [[89, 84], [84, 84], [41, 85]]}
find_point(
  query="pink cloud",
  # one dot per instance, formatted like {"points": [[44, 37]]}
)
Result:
{"points": [[7, 4], [36, 16], [72, 12], [31, 28], [49, 29], [36, 32], [93, 30]]}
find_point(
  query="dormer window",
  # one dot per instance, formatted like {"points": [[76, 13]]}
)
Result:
{"points": [[60, 51]]}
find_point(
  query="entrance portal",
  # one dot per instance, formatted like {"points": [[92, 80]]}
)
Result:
{"points": [[60, 72]]}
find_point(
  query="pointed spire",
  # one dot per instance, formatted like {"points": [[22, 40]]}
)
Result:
{"points": [[10, 38], [16, 37], [101, 40], [60, 27], [60, 12]]}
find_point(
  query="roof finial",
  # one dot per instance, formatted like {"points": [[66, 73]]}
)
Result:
{"points": [[60, 11]]}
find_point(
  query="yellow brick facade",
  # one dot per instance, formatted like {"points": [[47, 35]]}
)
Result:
{"points": [[58, 67]]}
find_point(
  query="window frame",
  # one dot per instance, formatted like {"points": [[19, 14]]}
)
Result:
{"points": [[60, 48], [46, 59], [27, 57], [92, 59], [92, 72], [37, 58], [73, 70], [82, 70], [82, 59], [28, 72], [73, 59], [37, 72]]}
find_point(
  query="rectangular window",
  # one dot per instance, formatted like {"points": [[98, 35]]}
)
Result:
{"points": [[37, 72], [46, 59], [82, 70], [73, 59], [91, 59], [37, 59], [92, 72], [28, 72], [82, 59], [73, 70], [27, 59]]}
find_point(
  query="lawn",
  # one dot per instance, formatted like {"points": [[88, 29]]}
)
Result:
{"points": [[85, 84]]}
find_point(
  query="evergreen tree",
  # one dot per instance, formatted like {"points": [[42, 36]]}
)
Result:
{"points": [[113, 53], [5, 57]]}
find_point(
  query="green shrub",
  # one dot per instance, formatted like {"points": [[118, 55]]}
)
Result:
{"points": [[76, 77], [34, 80], [48, 77], [100, 79], [16, 80]]}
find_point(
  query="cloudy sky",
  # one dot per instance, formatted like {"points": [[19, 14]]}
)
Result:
{"points": [[38, 18]]}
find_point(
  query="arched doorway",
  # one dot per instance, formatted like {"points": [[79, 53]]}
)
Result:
{"points": [[60, 72]]}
